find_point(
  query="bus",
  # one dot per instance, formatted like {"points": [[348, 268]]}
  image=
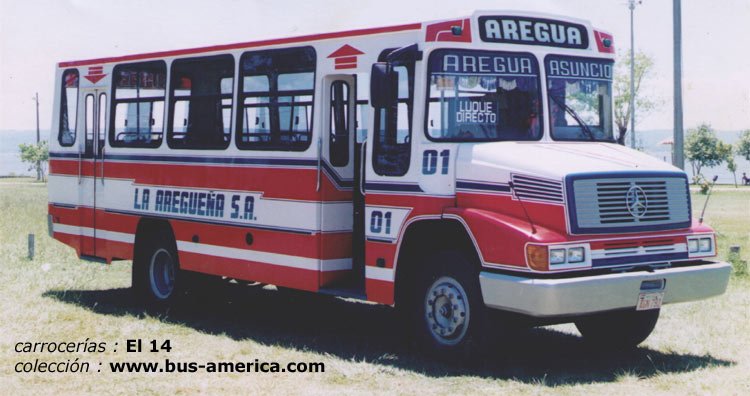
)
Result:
{"points": [[460, 170]]}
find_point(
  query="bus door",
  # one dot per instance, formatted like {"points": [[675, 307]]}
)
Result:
{"points": [[91, 167], [339, 168]]}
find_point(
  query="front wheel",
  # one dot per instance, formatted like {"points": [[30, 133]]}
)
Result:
{"points": [[447, 310], [619, 329]]}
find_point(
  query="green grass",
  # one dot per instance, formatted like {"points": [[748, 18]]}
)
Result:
{"points": [[697, 348]]}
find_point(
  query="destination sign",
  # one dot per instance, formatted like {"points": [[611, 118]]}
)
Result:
{"points": [[570, 67], [533, 31], [483, 62]]}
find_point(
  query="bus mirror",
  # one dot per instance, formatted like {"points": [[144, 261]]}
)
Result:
{"points": [[383, 85]]}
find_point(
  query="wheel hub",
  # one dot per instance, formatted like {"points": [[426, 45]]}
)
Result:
{"points": [[447, 311], [161, 274]]}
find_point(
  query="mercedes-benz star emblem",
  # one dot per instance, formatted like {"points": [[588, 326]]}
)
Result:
{"points": [[635, 200]]}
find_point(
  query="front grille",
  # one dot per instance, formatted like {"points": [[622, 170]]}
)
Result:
{"points": [[613, 202], [630, 203]]}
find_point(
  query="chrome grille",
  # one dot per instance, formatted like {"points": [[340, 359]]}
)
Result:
{"points": [[602, 203]]}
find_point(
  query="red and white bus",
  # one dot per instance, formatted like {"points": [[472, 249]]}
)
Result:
{"points": [[451, 168]]}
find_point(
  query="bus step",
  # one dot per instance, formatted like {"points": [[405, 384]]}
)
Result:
{"points": [[94, 259], [345, 292]]}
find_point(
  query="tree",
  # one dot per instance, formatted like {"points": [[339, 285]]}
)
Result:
{"points": [[36, 155], [743, 145], [704, 149], [732, 166], [644, 65]]}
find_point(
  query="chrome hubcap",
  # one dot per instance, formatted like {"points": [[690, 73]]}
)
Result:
{"points": [[161, 274], [447, 311]]}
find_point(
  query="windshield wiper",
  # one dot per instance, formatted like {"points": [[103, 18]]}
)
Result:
{"points": [[575, 116]]}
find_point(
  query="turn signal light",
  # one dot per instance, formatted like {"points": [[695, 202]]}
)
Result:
{"points": [[537, 257]]}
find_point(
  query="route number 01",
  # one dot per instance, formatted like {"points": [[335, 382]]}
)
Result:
{"points": [[430, 161]]}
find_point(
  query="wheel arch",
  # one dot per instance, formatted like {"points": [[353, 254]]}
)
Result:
{"points": [[148, 226], [421, 237]]}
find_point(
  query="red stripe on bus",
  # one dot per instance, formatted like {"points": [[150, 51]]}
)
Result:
{"points": [[251, 271], [282, 183], [251, 44], [325, 246]]}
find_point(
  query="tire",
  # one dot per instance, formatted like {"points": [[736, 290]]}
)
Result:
{"points": [[618, 329], [157, 278], [446, 311]]}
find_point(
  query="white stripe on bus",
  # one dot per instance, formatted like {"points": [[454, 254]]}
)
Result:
{"points": [[89, 232], [283, 260], [382, 274]]}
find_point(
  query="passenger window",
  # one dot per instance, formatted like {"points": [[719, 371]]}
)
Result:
{"points": [[68, 108], [276, 99], [138, 105], [392, 146], [201, 102], [339, 124]]}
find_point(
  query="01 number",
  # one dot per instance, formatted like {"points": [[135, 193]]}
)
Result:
{"points": [[430, 162], [380, 222]]}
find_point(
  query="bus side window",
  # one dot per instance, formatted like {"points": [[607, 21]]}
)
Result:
{"points": [[201, 102], [276, 92], [137, 112], [339, 124], [392, 146], [68, 108]]}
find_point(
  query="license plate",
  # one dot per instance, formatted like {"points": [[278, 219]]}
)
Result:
{"points": [[649, 300]]}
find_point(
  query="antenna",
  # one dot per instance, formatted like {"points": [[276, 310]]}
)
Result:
{"points": [[710, 188], [531, 223]]}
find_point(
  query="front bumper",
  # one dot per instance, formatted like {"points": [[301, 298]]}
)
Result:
{"points": [[598, 293]]}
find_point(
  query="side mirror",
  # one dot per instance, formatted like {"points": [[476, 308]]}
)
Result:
{"points": [[383, 85]]}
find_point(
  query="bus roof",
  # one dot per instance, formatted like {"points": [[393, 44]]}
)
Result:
{"points": [[249, 44]]}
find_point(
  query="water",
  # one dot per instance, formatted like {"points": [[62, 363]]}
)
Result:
{"points": [[10, 162], [10, 157]]}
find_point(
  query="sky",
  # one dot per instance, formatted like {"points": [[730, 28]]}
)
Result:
{"points": [[36, 34]]}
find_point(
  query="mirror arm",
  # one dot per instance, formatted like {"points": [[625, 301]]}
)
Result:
{"points": [[410, 53]]}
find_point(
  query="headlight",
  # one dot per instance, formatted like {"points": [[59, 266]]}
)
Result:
{"points": [[556, 256], [692, 245], [576, 255], [704, 244]]}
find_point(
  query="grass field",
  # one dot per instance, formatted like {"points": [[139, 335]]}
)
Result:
{"points": [[697, 348]]}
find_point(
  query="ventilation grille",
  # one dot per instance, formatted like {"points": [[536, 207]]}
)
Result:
{"points": [[535, 189]]}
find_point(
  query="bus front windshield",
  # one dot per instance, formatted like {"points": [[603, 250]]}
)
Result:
{"points": [[580, 98], [479, 96]]}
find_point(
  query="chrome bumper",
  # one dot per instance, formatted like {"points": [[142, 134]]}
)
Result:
{"points": [[590, 294]]}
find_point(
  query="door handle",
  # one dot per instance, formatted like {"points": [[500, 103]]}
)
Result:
{"points": [[102, 159], [320, 153], [363, 165], [80, 158]]}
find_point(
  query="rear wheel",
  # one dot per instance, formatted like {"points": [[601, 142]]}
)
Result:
{"points": [[619, 329], [446, 311], [157, 277]]}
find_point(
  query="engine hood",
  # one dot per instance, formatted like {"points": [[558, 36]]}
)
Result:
{"points": [[553, 160]]}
